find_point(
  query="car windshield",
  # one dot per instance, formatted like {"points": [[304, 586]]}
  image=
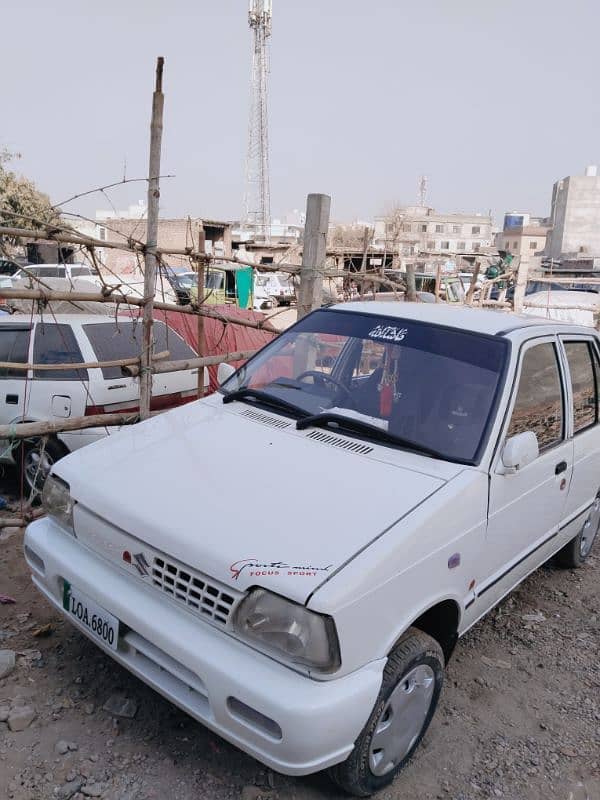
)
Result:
{"points": [[427, 387], [187, 280]]}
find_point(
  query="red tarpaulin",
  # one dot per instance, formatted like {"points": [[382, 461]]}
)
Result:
{"points": [[220, 338]]}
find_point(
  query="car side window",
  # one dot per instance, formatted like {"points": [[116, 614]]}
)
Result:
{"points": [[56, 344], [584, 383], [14, 347], [539, 403]]}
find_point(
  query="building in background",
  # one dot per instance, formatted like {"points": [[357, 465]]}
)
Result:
{"points": [[424, 237], [575, 218], [523, 235]]}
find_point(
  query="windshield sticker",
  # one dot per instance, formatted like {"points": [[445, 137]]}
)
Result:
{"points": [[388, 333], [254, 569]]}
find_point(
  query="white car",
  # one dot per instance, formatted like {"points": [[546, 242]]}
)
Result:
{"points": [[32, 396], [422, 460], [68, 271]]}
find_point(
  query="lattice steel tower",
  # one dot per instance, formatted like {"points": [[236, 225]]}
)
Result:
{"points": [[258, 196]]}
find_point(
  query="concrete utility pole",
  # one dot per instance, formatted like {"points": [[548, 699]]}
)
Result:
{"points": [[520, 285], [314, 249], [411, 286], [150, 261]]}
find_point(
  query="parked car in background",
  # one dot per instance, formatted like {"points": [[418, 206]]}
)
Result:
{"points": [[444, 452], [8, 266], [181, 280], [57, 271], [578, 307], [33, 396], [278, 286]]}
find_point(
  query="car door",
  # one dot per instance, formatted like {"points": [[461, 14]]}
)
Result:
{"points": [[14, 347], [56, 393], [527, 506], [583, 369]]}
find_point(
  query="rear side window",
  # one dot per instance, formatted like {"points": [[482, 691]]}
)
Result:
{"points": [[77, 272], [539, 403], [111, 341], [47, 272], [14, 346], [56, 344], [583, 381]]}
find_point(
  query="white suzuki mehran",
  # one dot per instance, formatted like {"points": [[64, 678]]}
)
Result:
{"points": [[422, 460]]}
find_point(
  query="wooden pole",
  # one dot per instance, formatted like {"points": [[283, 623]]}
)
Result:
{"points": [[23, 430], [411, 286], [473, 285], [314, 249], [363, 263], [150, 261], [438, 282], [201, 295], [193, 363], [520, 285]]}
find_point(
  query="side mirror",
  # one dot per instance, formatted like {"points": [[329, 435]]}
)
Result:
{"points": [[224, 372], [519, 451]]}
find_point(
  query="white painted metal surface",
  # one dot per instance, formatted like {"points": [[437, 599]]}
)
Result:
{"points": [[370, 535]]}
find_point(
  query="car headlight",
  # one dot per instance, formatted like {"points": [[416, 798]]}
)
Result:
{"points": [[288, 630], [57, 501]]}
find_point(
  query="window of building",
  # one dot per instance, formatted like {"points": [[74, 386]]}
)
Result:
{"points": [[516, 245], [56, 344], [431, 245], [476, 229], [445, 245], [406, 227], [460, 245], [583, 381], [14, 347], [102, 234], [456, 229], [539, 403], [507, 245], [439, 228], [423, 228], [533, 245], [476, 247]]}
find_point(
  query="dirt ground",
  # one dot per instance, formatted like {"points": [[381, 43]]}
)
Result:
{"points": [[519, 717]]}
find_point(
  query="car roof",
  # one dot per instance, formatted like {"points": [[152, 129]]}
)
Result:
{"points": [[66, 319], [480, 320]]}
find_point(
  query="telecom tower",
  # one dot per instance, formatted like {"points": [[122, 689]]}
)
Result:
{"points": [[258, 196]]}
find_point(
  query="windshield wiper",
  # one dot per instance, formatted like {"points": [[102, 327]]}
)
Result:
{"points": [[372, 431], [263, 397]]}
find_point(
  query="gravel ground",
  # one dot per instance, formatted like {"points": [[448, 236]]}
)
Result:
{"points": [[519, 717]]}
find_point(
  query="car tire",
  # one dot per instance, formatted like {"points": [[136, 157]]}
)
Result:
{"points": [[575, 553], [35, 461], [411, 686], [274, 300]]}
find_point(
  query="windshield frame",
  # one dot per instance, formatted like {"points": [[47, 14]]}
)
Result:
{"points": [[395, 321]]}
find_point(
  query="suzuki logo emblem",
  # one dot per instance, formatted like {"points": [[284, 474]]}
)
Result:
{"points": [[138, 560]]}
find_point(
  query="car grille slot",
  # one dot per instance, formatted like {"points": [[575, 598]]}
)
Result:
{"points": [[265, 419], [336, 441], [194, 591]]}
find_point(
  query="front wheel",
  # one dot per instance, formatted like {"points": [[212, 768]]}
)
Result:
{"points": [[575, 553], [411, 686], [37, 457]]}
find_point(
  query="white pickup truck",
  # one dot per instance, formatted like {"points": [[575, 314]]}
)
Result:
{"points": [[422, 460]]}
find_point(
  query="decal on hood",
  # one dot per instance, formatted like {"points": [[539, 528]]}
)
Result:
{"points": [[256, 569], [388, 333]]}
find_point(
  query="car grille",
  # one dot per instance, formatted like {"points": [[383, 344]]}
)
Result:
{"points": [[197, 592]]}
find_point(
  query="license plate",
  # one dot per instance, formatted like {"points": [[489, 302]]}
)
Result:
{"points": [[92, 616]]}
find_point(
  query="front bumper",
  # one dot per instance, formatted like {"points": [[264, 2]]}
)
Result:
{"points": [[206, 672]]}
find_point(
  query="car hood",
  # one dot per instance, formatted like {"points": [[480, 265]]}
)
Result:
{"points": [[240, 495]]}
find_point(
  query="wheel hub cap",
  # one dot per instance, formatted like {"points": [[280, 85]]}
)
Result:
{"points": [[402, 719]]}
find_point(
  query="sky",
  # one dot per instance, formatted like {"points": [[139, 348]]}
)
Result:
{"points": [[493, 101]]}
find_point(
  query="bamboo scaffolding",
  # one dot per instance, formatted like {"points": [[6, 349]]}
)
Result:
{"points": [[25, 430], [193, 363], [123, 299], [117, 362]]}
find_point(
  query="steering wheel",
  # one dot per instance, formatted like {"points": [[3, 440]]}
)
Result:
{"points": [[323, 377]]}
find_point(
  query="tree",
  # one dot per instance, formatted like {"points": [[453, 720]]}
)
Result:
{"points": [[22, 205]]}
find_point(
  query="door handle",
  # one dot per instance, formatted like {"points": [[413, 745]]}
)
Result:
{"points": [[560, 467], [12, 399]]}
